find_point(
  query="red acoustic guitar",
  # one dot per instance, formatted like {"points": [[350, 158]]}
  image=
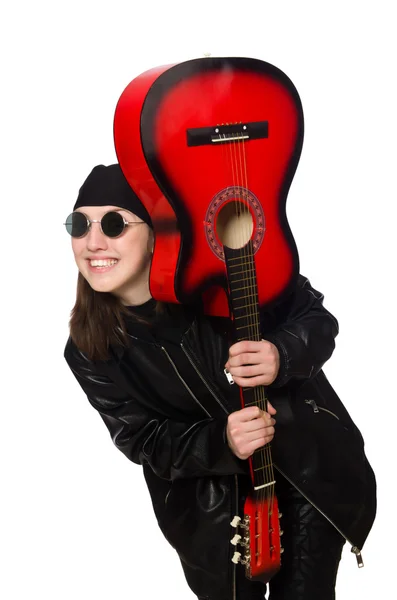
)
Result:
{"points": [[211, 146]]}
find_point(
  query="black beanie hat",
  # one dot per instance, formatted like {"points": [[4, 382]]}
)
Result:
{"points": [[107, 185]]}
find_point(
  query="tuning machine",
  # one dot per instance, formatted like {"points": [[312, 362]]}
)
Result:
{"points": [[236, 521], [236, 539], [237, 559]]}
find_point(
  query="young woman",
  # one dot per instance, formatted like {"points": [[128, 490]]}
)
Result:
{"points": [[155, 374]]}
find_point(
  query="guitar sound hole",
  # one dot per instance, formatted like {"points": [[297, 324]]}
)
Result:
{"points": [[234, 224]]}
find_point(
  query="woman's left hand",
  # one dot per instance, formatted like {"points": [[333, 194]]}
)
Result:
{"points": [[253, 363]]}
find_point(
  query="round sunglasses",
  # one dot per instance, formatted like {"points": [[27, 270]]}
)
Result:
{"points": [[112, 224]]}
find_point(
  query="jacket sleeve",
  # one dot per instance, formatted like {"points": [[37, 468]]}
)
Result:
{"points": [[306, 337], [173, 449]]}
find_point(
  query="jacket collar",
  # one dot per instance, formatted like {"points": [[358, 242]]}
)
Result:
{"points": [[172, 327]]}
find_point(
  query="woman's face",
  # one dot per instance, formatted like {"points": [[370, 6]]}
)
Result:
{"points": [[125, 260]]}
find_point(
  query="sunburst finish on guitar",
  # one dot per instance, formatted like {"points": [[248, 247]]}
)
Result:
{"points": [[211, 146]]}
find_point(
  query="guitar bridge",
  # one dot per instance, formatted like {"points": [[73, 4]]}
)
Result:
{"points": [[224, 134]]}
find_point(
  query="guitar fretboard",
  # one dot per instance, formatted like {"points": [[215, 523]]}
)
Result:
{"points": [[243, 294]]}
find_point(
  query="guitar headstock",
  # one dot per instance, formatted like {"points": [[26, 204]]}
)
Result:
{"points": [[258, 538]]}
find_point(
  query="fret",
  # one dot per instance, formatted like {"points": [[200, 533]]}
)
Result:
{"points": [[251, 338], [256, 402], [253, 324], [252, 320], [244, 260], [243, 279], [245, 287], [253, 313], [263, 472], [246, 266], [249, 279], [264, 467], [245, 326], [238, 272], [246, 306], [261, 449], [241, 263], [233, 258], [251, 295]]}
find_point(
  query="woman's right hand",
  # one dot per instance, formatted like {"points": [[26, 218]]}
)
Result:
{"points": [[250, 428]]}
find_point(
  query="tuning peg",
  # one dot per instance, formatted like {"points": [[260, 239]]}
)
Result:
{"points": [[280, 515], [236, 521], [236, 557], [281, 550], [281, 532], [235, 540]]}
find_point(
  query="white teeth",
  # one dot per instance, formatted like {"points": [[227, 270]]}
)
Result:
{"points": [[103, 263]]}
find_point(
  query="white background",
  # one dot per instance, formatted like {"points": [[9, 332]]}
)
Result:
{"points": [[76, 517]]}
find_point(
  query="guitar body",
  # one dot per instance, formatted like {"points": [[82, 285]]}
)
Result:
{"points": [[211, 146], [128, 145], [164, 129]]}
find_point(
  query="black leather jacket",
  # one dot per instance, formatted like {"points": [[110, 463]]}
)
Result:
{"points": [[165, 401]]}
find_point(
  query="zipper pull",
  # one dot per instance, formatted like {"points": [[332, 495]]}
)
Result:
{"points": [[357, 552], [313, 405], [228, 376]]}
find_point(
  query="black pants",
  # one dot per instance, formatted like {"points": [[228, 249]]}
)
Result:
{"points": [[312, 551]]}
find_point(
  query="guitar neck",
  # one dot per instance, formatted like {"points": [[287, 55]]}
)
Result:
{"points": [[243, 295]]}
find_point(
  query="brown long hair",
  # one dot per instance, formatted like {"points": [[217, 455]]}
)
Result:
{"points": [[97, 321]]}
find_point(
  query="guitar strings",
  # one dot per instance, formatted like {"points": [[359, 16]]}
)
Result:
{"points": [[254, 325], [239, 175], [254, 321]]}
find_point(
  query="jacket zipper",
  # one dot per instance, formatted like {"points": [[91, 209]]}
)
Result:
{"points": [[354, 549], [207, 385], [184, 382], [317, 408]]}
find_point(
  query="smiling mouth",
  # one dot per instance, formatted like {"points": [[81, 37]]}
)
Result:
{"points": [[102, 265]]}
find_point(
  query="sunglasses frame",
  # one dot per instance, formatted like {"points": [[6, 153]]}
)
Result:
{"points": [[90, 221]]}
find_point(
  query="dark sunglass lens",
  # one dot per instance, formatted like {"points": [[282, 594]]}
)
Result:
{"points": [[76, 224], [112, 224]]}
